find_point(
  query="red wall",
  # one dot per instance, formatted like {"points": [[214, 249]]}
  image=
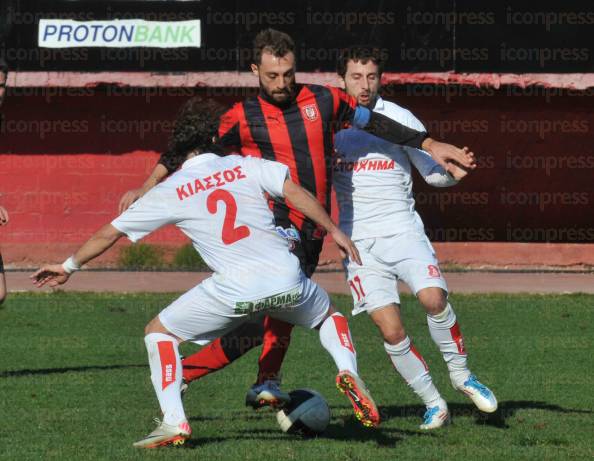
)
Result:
{"points": [[67, 156]]}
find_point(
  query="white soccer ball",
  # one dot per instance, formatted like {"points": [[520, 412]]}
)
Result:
{"points": [[307, 413]]}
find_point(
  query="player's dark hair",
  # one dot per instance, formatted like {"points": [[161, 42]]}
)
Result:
{"points": [[363, 54], [273, 41], [195, 128]]}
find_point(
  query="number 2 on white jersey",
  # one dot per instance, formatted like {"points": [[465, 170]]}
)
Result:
{"points": [[230, 234]]}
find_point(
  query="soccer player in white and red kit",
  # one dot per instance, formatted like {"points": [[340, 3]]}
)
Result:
{"points": [[373, 184], [220, 203]]}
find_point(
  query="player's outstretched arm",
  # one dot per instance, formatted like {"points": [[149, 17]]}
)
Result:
{"points": [[305, 202], [447, 155], [157, 175], [433, 173], [58, 274]]}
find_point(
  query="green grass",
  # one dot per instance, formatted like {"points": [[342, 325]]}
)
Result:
{"points": [[74, 385]]}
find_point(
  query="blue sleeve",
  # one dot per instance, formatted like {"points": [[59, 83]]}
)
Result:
{"points": [[361, 117]]}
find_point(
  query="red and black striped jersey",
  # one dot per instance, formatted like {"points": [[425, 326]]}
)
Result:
{"points": [[299, 134]]}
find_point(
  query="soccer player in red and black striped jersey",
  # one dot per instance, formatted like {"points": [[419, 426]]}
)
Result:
{"points": [[293, 124]]}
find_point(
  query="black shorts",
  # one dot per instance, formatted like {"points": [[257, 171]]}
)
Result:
{"points": [[309, 247], [308, 251]]}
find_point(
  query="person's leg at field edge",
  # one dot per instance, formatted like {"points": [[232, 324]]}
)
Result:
{"points": [[2, 281], [445, 332]]}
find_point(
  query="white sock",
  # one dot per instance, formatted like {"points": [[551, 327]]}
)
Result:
{"points": [[412, 367], [166, 375], [336, 339], [445, 331]]}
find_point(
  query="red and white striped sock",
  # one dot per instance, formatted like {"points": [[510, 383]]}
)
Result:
{"points": [[445, 331], [336, 339], [409, 363], [166, 375]]}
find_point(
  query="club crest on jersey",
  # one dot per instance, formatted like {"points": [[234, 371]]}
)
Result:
{"points": [[433, 271], [310, 112]]}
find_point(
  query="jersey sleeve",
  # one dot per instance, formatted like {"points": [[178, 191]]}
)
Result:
{"points": [[433, 173], [271, 176], [229, 128], [152, 211], [413, 122], [343, 105]]}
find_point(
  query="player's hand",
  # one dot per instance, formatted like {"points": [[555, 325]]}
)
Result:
{"points": [[447, 154], [346, 246], [53, 275], [3, 216], [128, 199], [456, 171]]}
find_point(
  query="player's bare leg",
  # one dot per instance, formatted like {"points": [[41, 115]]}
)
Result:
{"points": [[335, 337], [409, 363], [2, 281], [166, 375], [446, 333]]}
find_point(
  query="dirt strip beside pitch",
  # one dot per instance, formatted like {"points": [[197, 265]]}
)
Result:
{"points": [[333, 282]]}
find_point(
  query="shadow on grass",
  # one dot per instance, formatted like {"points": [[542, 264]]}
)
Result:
{"points": [[506, 410], [347, 429], [350, 431], [51, 371]]}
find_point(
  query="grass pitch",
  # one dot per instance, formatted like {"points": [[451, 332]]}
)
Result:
{"points": [[74, 384]]}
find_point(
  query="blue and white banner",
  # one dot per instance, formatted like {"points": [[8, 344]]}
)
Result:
{"points": [[125, 33]]}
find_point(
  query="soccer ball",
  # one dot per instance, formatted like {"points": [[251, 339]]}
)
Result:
{"points": [[306, 414]]}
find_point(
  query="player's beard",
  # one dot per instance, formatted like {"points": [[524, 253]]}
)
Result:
{"points": [[280, 97]]}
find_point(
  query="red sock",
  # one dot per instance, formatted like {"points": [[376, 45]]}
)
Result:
{"points": [[208, 359], [277, 336]]}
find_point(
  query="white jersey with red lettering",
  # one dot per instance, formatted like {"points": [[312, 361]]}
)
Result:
{"points": [[372, 179], [220, 204]]}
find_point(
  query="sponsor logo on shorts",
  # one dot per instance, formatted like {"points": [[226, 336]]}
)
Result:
{"points": [[433, 271], [279, 301]]}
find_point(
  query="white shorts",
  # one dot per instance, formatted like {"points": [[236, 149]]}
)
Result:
{"points": [[408, 257], [201, 315]]}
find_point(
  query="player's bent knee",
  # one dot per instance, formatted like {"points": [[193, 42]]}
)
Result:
{"points": [[330, 312], [434, 300], [394, 337], [155, 326]]}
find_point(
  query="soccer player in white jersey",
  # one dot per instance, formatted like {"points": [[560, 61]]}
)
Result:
{"points": [[373, 184], [220, 203]]}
